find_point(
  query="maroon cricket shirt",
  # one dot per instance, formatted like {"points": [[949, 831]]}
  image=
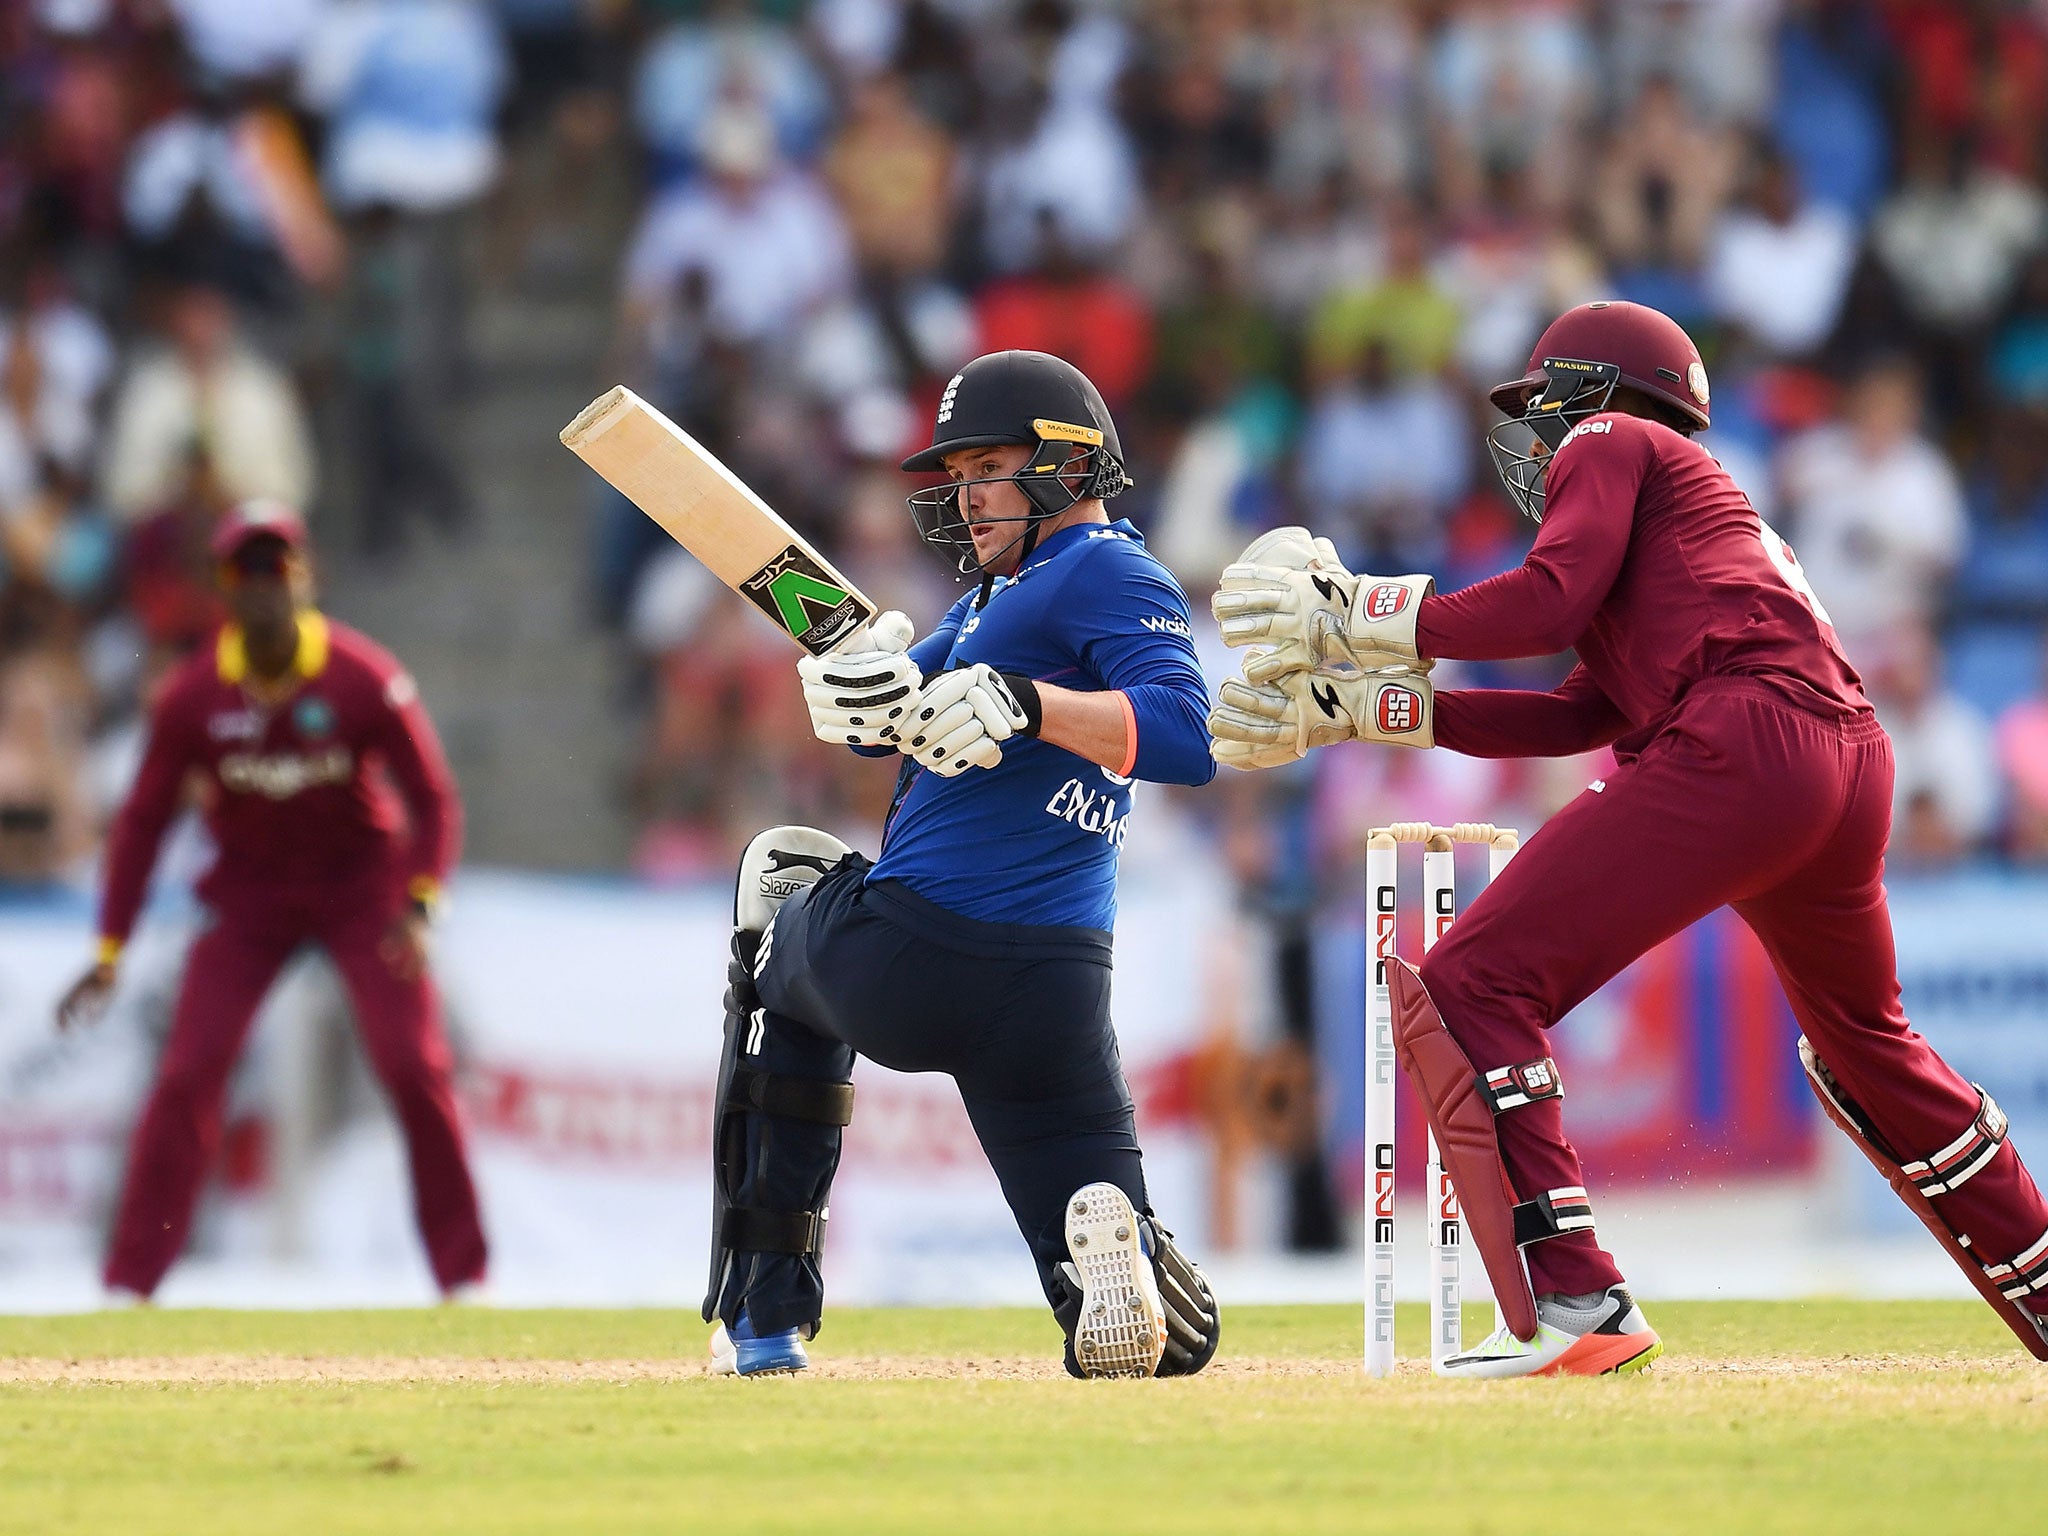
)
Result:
{"points": [[1656, 570], [337, 780]]}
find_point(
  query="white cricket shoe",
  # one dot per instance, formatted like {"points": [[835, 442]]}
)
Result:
{"points": [[1122, 1328], [777, 864], [1604, 1334]]}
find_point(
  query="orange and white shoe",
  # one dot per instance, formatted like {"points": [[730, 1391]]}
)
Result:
{"points": [[1604, 1334]]}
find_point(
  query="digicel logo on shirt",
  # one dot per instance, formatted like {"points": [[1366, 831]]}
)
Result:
{"points": [[280, 775]]}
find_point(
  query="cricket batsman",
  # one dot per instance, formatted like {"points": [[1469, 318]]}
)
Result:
{"points": [[335, 820], [1752, 773], [978, 943]]}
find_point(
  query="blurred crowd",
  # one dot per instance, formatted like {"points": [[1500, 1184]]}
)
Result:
{"points": [[1291, 240], [1292, 243], [230, 231]]}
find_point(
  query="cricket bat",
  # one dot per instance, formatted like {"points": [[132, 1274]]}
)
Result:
{"points": [[713, 514]]}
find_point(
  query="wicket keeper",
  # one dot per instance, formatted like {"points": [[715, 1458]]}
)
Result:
{"points": [[978, 943], [1751, 773], [336, 820]]}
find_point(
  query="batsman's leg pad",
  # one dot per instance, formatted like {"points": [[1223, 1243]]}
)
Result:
{"points": [[784, 1098], [775, 866], [1194, 1323], [1461, 1104], [2004, 1284]]}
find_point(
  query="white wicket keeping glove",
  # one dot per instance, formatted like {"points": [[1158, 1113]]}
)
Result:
{"points": [[860, 694], [1269, 724], [1291, 592], [960, 719]]}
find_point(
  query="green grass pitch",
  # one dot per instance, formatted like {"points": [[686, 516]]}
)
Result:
{"points": [[1792, 1417]]}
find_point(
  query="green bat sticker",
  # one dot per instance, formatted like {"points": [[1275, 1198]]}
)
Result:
{"points": [[804, 599]]}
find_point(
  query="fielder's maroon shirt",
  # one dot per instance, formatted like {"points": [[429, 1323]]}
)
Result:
{"points": [[338, 780], [1656, 570]]}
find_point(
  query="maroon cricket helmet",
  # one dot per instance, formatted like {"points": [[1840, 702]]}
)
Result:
{"points": [[1579, 362], [1649, 350]]}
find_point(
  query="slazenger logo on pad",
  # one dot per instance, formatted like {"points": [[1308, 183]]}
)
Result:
{"points": [[1400, 709], [1386, 600]]}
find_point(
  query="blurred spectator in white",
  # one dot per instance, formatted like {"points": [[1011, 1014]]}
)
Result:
{"points": [[2023, 755], [1719, 51], [1955, 234], [1513, 83], [200, 384], [1945, 794], [1778, 263], [225, 183], [701, 66], [1661, 181], [768, 242], [246, 39], [55, 362], [410, 89], [1074, 161], [1384, 457], [1873, 507], [1346, 87]]}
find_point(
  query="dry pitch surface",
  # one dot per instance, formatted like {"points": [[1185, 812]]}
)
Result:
{"points": [[1795, 1417]]}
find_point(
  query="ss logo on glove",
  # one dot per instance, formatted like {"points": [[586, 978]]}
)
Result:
{"points": [[1386, 600], [1399, 709]]}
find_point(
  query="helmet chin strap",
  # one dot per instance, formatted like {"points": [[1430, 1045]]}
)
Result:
{"points": [[1029, 539]]}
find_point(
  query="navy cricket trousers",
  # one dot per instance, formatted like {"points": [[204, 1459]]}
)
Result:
{"points": [[1017, 1016]]}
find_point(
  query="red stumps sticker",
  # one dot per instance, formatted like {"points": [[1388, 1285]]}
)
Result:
{"points": [[1400, 711], [1385, 600]]}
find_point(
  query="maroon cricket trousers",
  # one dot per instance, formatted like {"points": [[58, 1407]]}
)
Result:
{"points": [[231, 966], [1745, 800]]}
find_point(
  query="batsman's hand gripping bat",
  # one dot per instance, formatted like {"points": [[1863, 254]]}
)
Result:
{"points": [[713, 514]]}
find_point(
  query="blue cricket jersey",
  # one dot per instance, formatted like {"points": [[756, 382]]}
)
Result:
{"points": [[1034, 840]]}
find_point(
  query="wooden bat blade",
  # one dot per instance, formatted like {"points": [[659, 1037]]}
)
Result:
{"points": [[716, 516]]}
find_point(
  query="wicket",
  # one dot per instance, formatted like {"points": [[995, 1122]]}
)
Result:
{"points": [[1440, 901]]}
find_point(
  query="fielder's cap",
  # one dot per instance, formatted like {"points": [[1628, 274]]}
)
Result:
{"points": [[258, 519]]}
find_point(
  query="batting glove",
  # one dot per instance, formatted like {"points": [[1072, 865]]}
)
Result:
{"points": [[859, 696], [961, 718]]}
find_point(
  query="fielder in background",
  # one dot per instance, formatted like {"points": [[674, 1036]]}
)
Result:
{"points": [[978, 943], [1752, 773], [297, 730]]}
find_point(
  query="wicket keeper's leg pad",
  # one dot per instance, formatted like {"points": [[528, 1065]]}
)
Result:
{"points": [[1193, 1321], [784, 1099], [2002, 1284], [1461, 1104]]}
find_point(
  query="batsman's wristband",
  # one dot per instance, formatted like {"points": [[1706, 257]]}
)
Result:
{"points": [[1026, 691]]}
